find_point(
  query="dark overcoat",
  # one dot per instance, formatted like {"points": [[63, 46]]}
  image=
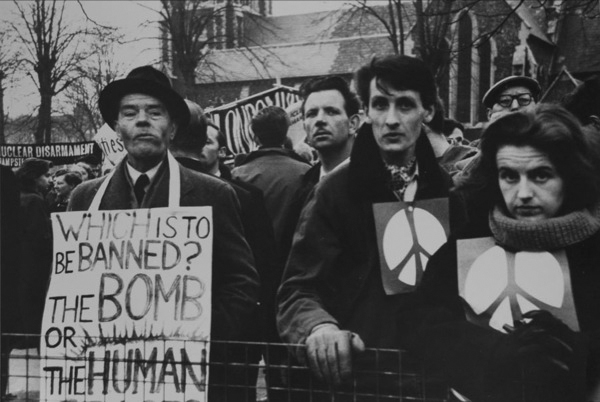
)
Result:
{"points": [[235, 280], [235, 287], [333, 271]]}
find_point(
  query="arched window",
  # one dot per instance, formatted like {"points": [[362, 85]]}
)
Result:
{"points": [[464, 69], [485, 74], [471, 71], [443, 80]]}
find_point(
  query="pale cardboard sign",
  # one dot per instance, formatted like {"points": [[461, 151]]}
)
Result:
{"points": [[407, 236], [128, 309], [111, 145], [500, 286]]}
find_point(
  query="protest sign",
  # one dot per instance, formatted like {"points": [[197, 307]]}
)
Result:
{"points": [[407, 236], [128, 309], [296, 130], [63, 153], [111, 145], [234, 118], [500, 286]]}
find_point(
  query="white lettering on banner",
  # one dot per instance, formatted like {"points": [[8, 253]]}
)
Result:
{"points": [[128, 309], [14, 155], [16, 151], [234, 120]]}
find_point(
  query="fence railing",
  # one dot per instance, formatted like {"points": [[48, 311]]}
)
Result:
{"points": [[115, 369]]}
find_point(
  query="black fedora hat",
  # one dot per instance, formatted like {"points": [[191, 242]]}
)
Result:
{"points": [[145, 80]]}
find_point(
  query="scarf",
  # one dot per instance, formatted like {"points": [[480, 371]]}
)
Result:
{"points": [[548, 234], [401, 176]]}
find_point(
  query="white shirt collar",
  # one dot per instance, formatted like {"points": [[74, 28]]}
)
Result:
{"points": [[135, 174], [322, 171]]}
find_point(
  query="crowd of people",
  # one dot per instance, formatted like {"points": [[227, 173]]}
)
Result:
{"points": [[296, 255]]}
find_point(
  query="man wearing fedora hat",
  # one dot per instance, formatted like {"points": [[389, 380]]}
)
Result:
{"points": [[145, 112]]}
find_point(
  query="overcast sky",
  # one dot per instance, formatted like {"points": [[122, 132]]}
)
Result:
{"points": [[132, 18]]}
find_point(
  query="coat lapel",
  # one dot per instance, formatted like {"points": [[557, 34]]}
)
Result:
{"points": [[158, 193], [119, 193]]}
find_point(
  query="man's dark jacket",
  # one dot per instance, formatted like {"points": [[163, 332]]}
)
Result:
{"points": [[259, 234], [277, 172], [333, 271], [235, 287], [35, 240], [235, 281]]}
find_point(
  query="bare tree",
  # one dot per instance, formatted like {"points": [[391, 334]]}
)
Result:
{"points": [[186, 23], [429, 23], [53, 49], [81, 113], [193, 28], [9, 61], [392, 18]]}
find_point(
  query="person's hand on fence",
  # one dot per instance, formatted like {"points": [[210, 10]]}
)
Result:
{"points": [[329, 353]]}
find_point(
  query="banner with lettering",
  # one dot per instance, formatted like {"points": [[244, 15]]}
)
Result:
{"points": [[234, 118], [63, 153], [111, 145], [408, 234], [128, 309]]}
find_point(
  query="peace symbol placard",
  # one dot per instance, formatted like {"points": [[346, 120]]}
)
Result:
{"points": [[407, 236], [500, 286]]}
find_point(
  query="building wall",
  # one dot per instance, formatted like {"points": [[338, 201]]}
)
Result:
{"points": [[473, 71]]}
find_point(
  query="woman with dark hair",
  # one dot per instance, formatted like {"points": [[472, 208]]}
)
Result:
{"points": [[512, 303], [556, 133], [36, 246]]}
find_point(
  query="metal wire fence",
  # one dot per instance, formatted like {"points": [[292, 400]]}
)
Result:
{"points": [[187, 370]]}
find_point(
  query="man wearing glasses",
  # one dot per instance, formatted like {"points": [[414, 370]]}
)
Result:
{"points": [[507, 95], [511, 94]]}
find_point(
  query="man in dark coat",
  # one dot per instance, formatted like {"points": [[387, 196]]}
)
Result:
{"points": [[35, 241], [272, 168], [145, 112], [190, 149], [10, 316], [330, 119], [332, 298]]}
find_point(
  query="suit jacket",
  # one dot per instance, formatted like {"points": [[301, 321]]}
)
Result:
{"points": [[235, 280]]}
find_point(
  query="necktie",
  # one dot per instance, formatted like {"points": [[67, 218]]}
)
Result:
{"points": [[140, 188]]}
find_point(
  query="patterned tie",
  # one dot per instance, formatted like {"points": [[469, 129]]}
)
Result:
{"points": [[140, 188]]}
